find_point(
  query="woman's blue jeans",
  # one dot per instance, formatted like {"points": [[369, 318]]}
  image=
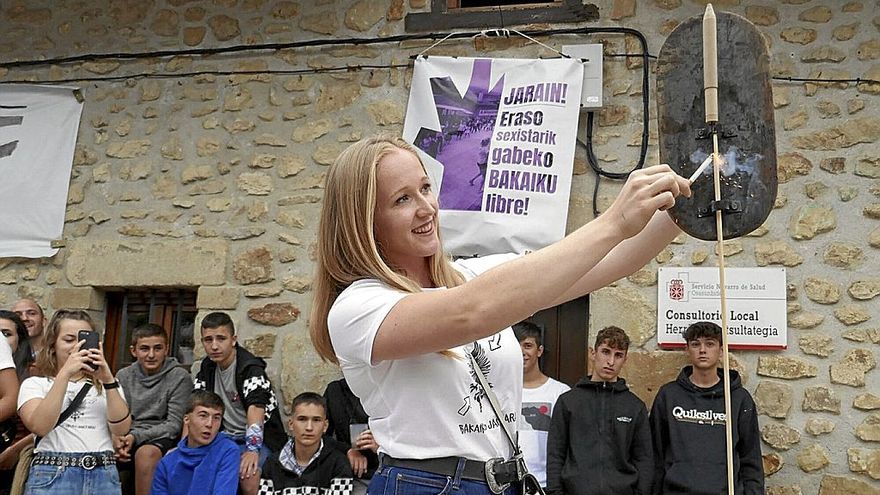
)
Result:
{"points": [[401, 481], [102, 480]]}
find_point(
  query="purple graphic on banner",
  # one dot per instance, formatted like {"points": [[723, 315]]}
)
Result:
{"points": [[462, 145]]}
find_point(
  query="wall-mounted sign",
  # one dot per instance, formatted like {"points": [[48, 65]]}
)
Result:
{"points": [[756, 305]]}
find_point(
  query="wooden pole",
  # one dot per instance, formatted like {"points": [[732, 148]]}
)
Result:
{"points": [[719, 224], [710, 93]]}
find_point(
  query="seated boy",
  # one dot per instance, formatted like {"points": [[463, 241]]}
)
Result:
{"points": [[205, 462], [346, 416], [688, 425], [158, 392], [305, 462], [240, 379], [600, 440]]}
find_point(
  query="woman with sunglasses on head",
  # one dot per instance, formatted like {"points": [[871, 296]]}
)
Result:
{"points": [[74, 455], [400, 318]]}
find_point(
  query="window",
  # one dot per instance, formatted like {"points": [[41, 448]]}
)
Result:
{"points": [[172, 309], [483, 14]]}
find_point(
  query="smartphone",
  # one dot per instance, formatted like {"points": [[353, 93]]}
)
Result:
{"points": [[91, 342], [355, 430]]}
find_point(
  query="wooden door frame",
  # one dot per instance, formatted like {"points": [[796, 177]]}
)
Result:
{"points": [[566, 337]]}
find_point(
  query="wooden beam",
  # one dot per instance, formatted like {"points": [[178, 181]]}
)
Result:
{"points": [[443, 18]]}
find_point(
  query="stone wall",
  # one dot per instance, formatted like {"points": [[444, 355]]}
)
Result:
{"points": [[214, 181]]}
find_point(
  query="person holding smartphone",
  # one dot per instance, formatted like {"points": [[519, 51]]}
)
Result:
{"points": [[74, 455]]}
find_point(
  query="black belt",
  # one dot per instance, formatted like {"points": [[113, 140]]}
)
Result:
{"points": [[504, 472], [87, 461]]}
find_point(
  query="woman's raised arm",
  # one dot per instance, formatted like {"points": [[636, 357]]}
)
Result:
{"points": [[433, 321]]}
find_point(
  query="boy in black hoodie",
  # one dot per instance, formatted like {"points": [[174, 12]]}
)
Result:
{"points": [[599, 441], [687, 425], [306, 461], [251, 412]]}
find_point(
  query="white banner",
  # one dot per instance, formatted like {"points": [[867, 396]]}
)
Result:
{"points": [[38, 127], [756, 305], [498, 139]]}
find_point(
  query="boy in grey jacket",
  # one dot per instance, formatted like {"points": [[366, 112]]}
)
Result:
{"points": [[158, 391]]}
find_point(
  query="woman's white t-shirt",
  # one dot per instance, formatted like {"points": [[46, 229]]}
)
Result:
{"points": [[86, 430], [431, 405]]}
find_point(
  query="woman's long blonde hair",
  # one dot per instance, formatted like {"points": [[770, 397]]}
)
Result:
{"points": [[347, 248]]}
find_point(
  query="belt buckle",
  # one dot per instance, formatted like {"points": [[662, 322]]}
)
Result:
{"points": [[88, 462], [494, 486]]}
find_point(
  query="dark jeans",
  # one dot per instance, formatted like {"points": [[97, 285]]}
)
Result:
{"points": [[400, 481]]}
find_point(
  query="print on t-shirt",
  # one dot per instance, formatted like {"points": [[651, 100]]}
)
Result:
{"points": [[537, 415], [477, 394], [80, 412], [495, 342]]}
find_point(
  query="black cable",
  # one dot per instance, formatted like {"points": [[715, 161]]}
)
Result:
{"points": [[643, 151], [857, 80], [591, 156], [342, 68], [177, 75], [90, 57]]}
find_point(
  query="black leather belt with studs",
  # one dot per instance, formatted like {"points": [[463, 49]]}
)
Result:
{"points": [[86, 461]]}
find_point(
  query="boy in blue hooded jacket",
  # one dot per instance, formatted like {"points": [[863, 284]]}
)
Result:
{"points": [[205, 462]]}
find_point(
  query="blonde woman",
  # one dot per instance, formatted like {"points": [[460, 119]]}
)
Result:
{"points": [[75, 456], [399, 317]]}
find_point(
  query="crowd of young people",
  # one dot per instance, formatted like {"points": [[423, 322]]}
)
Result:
{"points": [[594, 439], [71, 426]]}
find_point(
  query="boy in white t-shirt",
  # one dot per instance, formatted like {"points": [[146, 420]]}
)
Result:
{"points": [[539, 396]]}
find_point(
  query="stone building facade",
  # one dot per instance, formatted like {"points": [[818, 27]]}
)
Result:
{"points": [[188, 176]]}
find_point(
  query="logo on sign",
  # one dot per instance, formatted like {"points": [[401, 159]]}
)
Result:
{"points": [[676, 289]]}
